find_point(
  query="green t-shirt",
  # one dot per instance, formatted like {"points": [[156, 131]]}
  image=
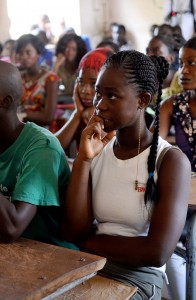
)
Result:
{"points": [[34, 169]]}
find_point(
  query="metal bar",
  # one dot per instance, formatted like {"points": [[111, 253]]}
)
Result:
{"points": [[191, 259]]}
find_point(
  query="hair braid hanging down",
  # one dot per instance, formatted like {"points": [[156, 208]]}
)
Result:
{"points": [[162, 68]]}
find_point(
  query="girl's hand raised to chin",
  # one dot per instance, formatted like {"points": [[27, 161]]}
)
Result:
{"points": [[76, 97], [60, 60], [94, 139]]}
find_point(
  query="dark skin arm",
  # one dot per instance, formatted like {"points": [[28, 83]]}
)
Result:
{"points": [[60, 60], [166, 224], [14, 218], [46, 116], [79, 224], [167, 221], [66, 133]]}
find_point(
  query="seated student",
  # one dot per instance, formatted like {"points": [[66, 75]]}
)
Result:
{"points": [[8, 51], [119, 204], [108, 44], [33, 171], [69, 50], [84, 93], [46, 58], [119, 37], [163, 45], [180, 111], [40, 86]]}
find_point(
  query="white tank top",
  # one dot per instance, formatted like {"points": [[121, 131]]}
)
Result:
{"points": [[118, 208]]}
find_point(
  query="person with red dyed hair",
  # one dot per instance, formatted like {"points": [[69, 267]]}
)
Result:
{"points": [[83, 95]]}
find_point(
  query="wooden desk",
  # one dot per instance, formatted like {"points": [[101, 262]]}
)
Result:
{"points": [[33, 270], [101, 288]]}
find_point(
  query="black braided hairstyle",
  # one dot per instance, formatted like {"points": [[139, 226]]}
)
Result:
{"points": [[145, 74]]}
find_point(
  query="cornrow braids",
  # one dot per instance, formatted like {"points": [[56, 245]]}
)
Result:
{"points": [[162, 68], [145, 74], [139, 70]]}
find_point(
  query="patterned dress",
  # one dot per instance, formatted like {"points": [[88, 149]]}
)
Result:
{"points": [[34, 97], [185, 127]]}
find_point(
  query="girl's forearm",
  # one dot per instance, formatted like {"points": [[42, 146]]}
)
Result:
{"points": [[78, 206]]}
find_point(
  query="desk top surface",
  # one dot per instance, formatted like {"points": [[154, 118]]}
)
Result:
{"points": [[192, 195], [32, 270]]}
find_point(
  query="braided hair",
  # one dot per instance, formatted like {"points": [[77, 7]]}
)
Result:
{"points": [[145, 74]]}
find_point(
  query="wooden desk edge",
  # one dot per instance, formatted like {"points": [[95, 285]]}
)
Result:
{"points": [[51, 287], [94, 262]]}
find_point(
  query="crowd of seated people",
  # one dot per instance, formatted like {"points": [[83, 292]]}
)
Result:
{"points": [[74, 73]]}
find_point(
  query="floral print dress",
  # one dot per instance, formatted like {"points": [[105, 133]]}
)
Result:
{"points": [[185, 127], [34, 96]]}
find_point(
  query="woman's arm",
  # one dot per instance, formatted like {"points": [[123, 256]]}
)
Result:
{"points": [[78, 217], [167, 221], [14, 218], [66, 133], [60, 60], [46, 116]]}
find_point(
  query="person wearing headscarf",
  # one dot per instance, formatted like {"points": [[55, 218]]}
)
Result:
{"points": [[83, 95]]}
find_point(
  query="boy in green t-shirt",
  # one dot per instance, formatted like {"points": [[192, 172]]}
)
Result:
{"points": [[33, 171]]}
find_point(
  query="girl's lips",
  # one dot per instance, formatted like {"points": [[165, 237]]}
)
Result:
{"points": [[87, 102], [185, 80]]}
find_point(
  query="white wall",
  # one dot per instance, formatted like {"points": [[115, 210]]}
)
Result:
{"points": [[136, 15], [4, 21], [93, 17], [24, 13]]}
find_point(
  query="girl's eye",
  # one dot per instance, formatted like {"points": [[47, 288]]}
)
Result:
{"points": [[93, 84], [112, 97], [192, 63], [81, 83], [29, 53], [97, 95]]}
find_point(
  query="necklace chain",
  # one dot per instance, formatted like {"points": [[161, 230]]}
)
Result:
{"points": [[138, 152]]}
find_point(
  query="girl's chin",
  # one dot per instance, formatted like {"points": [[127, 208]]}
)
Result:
{"points": [[87, 104]]}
